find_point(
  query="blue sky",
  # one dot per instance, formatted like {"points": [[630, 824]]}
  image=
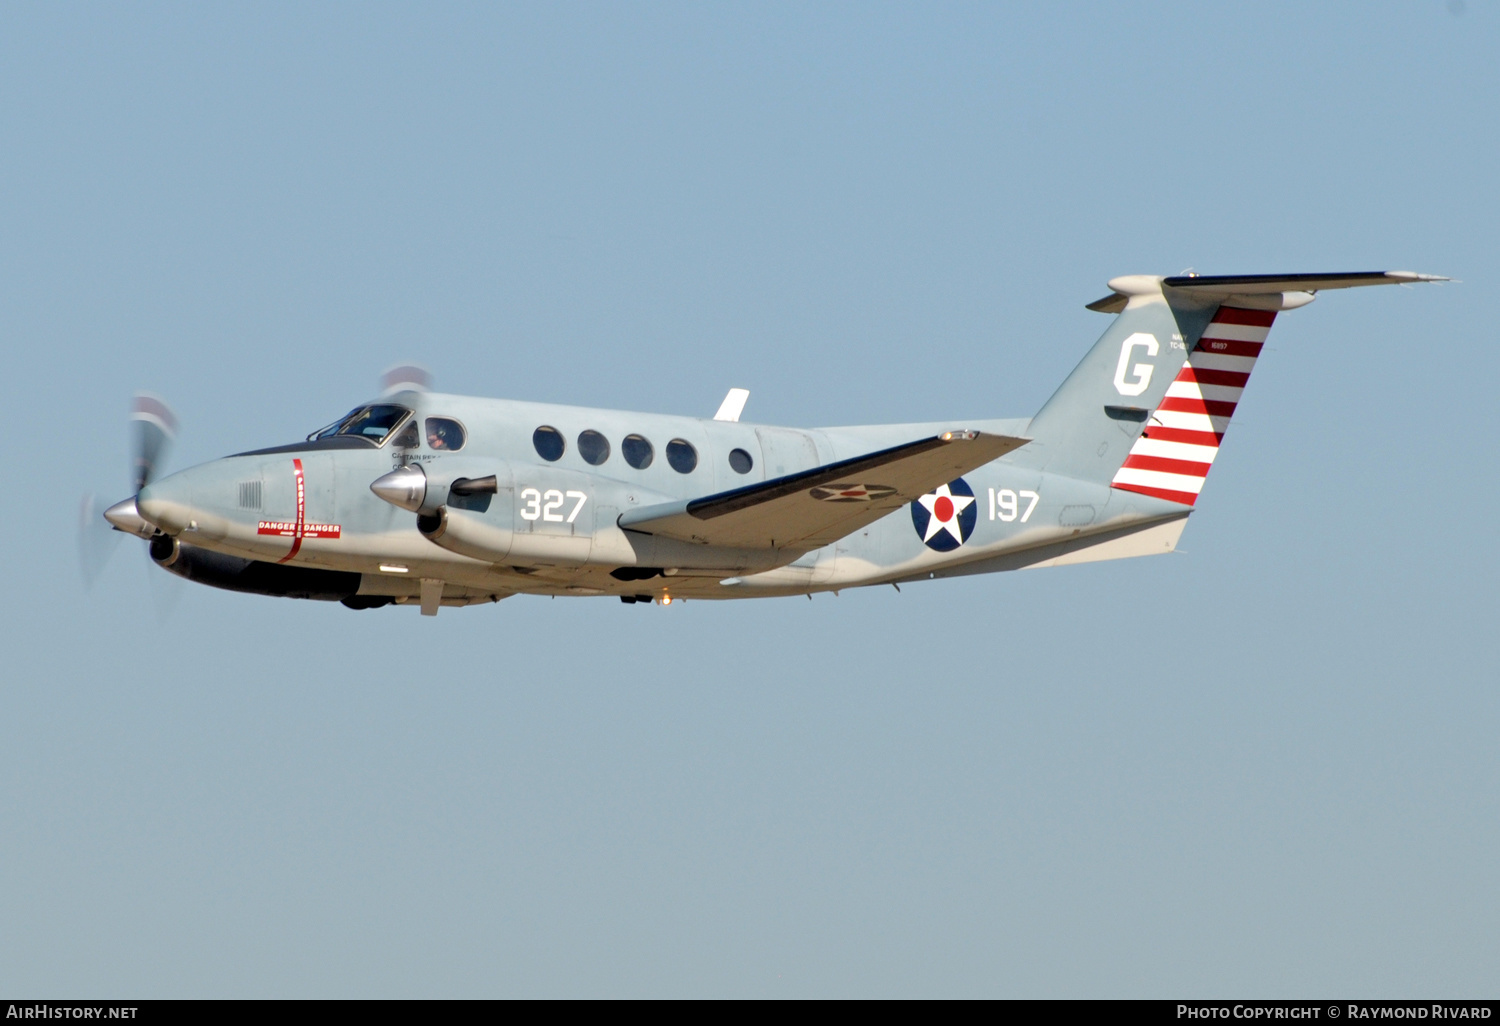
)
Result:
{"points": [[1264, 765]]}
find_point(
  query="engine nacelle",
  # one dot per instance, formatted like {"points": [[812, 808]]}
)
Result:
{"points": [[452, 500], [495, 541], [423, 488]]}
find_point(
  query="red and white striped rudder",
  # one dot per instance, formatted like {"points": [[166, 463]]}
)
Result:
{"points": [[1171, 458]]}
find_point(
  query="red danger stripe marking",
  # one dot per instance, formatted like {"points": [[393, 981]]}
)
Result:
{"points": [[288, 529], [298, 529], [301, 511]]}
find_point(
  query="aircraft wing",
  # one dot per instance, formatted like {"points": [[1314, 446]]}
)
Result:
{"points": [[812, 508]]}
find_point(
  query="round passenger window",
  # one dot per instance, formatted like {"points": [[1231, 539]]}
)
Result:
{"points": [[593, 447], [444, 435], [740, 461], [682, 456], [549, 443], [638, 452]]}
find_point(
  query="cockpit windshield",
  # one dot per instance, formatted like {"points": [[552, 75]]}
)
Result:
{"points": [[371, 422]]}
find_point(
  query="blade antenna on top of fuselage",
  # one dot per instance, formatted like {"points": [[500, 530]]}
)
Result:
{"points": [[733, 405]]}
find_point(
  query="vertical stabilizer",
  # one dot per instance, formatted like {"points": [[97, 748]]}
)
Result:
{"points": [[1089, 425]]}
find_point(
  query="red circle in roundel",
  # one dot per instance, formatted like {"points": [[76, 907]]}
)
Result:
{"points": [[943, 509]]}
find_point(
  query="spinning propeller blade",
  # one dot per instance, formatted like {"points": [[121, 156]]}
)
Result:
{"points": [[405, 377], [96, 540], [154, 426]]}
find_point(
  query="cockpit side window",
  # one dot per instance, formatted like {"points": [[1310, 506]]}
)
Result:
{"points": [[369, 422], [409, 438], [444, 435]]}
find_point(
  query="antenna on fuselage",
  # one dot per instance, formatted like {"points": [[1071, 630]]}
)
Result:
{"points": [[733, 405]]}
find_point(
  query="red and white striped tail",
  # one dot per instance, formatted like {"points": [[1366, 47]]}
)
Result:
{"points": [[1171, 458]]}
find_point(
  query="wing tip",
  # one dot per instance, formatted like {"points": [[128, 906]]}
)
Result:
{"points": [[1406, 277]]}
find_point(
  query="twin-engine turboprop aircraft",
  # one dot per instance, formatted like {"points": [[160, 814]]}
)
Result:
{"points": [[430, 499]]}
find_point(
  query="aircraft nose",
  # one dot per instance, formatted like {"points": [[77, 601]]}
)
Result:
{"points": [[167, 504]]}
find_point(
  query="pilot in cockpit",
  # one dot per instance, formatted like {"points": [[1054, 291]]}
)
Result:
{"points": [[443, 434]]}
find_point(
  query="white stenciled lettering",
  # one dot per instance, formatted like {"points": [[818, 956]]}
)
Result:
{"points": [[1031, 500], [582, 498], [533, 508], [1140, 374], [548, 506], [1005, 504], [552, 501]]}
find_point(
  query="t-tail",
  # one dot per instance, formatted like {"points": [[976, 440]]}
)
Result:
{"points": [[1148, 407]]}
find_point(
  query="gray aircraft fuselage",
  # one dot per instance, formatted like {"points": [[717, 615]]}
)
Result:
{"points": [[562, 514]]}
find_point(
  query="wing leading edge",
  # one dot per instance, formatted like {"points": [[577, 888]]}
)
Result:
{"points": [[813, 508]]}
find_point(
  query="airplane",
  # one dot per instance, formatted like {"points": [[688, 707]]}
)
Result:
{"points": [[429, 499]]}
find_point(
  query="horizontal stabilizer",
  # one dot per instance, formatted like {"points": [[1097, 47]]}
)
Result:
{"points": [[812, 508], [1212, 286], [1254, 284]]}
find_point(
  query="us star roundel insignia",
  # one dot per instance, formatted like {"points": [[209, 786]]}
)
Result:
{"points": [[853, 492], [944, 518]]}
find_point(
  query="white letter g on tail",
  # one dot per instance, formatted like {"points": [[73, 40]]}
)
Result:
{"points": [[1141, 372]]}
